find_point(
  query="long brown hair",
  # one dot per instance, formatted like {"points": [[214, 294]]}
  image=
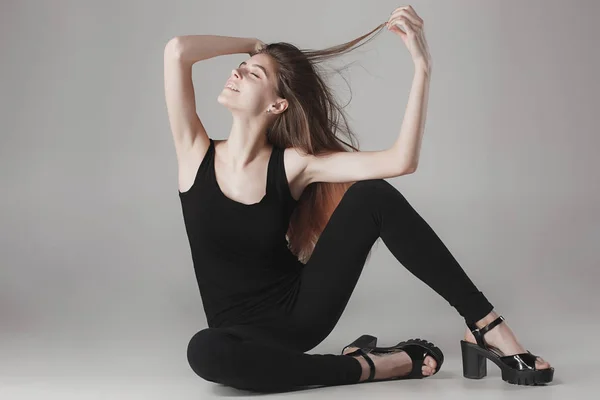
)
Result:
{"points": [[313, 123]]}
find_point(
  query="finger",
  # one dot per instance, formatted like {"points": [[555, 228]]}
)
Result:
{"points": [[395, 13], [402, 21], [414, 20], [412, 12], [398, 9], [417, 21], [403, 25]]}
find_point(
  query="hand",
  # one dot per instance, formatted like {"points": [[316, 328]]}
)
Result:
{"points": [[257, 46], [405, 22]]}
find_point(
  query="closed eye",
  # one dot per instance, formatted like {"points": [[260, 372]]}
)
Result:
{"points": [[244, 63]]}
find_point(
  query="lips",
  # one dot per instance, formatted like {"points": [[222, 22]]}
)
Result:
{"points": [[232, 86]]}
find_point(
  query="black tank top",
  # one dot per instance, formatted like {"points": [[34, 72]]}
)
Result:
{"points": [[240, 253]]}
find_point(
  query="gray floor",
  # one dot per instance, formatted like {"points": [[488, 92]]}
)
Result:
{"points": [[573, 381], [164, 375]]}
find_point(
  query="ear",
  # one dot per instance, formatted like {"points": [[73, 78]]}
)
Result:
{"points": [[280, 106]]}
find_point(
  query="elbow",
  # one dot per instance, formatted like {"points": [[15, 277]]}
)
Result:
{"points": [[173, 47], [411, 169], [412, 165]]}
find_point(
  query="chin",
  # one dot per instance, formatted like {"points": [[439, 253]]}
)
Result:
{"points": [[228, 104], [223, 100]]}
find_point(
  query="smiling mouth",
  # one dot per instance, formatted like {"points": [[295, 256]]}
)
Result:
{"points": [[230, 88]]}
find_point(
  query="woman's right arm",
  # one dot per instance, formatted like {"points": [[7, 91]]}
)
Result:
{"points": [[180, 54]]}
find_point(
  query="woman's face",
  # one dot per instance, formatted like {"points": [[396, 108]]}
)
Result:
{"points": [[255, 80]]}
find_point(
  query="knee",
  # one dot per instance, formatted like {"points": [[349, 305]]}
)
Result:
{"points": [[214, 355], [370, 184], [204, 353], [374, 189], [198, 350]]}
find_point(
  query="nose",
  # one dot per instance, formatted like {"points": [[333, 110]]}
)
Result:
{"points": [[234, 72]]}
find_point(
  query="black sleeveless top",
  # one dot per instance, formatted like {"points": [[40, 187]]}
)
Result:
{"points": [[240, 253]]}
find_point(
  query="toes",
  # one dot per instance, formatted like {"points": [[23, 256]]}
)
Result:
{"points": [[426, 370], [429, 366], [541, 364], [430, 361]]}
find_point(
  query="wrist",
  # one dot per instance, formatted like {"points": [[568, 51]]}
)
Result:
{"points": [[257, 44], [423, 67]]}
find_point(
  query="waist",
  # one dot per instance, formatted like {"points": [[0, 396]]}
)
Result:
{"points": [[227, 306]]}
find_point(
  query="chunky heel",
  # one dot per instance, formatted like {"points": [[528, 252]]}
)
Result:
{"points": [[362, 342], [518, 369], [474, 364]]}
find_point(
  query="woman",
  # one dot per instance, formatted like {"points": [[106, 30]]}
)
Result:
{"points": [[281, 219]]}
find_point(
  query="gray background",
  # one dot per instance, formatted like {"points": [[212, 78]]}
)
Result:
{"points": [[97, 292]]}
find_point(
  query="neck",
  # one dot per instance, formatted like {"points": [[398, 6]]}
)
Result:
{"points": [[247, 141]]}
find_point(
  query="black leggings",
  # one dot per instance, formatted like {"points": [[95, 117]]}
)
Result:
{"points": [[270, 356]]}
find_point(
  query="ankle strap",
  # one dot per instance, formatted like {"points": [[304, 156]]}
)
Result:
{"points": [[361, 352], [479, 332]]}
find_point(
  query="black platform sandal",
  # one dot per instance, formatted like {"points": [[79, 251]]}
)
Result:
{"points": [[417, 349], [518, 369]]}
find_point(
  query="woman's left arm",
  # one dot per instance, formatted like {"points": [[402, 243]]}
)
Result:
{"points": [[402, 157], [405, 22]]}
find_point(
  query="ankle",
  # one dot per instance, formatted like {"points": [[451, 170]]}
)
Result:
{"points": [[487, 319], [364, 367]]}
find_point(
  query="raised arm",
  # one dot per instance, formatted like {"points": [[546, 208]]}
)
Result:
{"points": [[403, 156], [180, 54]]}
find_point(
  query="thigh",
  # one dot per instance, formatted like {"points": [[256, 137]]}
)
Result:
{"points": [[332, 272]]}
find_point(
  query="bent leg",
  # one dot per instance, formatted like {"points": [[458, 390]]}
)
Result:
{"points": [[220, 356], [368, 210]]}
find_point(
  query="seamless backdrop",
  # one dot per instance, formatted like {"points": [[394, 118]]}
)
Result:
{"points": [[97, 291]]}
